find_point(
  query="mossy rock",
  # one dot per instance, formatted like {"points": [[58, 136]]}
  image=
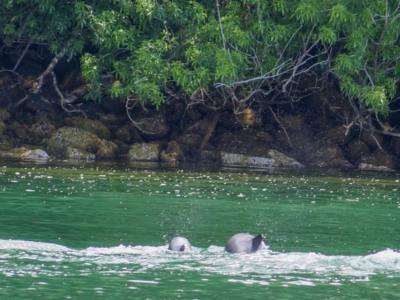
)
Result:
{"points": [[14, 153], [173, 154], [74, 138], [23, 153], [106, 150], [144, 152], [2, 127], [76, 154], [93, 126], [4, 115], [153, 127], [41, 130]]}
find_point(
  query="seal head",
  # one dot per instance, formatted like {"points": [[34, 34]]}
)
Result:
{"points": [[179, 244]]}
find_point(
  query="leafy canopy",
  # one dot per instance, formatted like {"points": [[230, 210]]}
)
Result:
{"points": [[149, 45]]}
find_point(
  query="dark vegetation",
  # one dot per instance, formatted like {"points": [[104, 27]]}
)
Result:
{"points": [[317, 80]]}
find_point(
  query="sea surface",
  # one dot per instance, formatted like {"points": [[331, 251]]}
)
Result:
{"points": [[85, 232]]}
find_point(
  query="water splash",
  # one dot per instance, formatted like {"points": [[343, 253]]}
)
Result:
{"points": [[26, 258]]}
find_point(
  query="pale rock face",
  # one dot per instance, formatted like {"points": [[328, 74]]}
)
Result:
{"points": [[272, 160], [245, 243], [180, 244]]}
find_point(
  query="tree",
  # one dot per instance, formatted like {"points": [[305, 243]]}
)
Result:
{"points": [[218, 52]]}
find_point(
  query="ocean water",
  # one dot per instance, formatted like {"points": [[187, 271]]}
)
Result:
{"points": [[101, 232]]}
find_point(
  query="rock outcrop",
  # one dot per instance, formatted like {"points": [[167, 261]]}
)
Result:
{"points": [[93, 126], [67, 142], [249, 142], [273, 159], [378, 161], [172, 154], [23, 153], [144, 152], [153, 127]]}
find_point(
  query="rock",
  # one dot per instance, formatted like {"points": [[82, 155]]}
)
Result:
{"points": [[14, 153], [272, 160], [36, 154], [281, 160], [80, 141], [41, 130], [199, 127], [378, 161], [122, 148], [124, 134], [337, 135], [303, 143], [293, 122], [368, 139], [145, 152], [20, 131], [248, 141], [75, 138], [106, 150], [210, 157], [375, 168], [175, 111], [2, 127], [110, 119], [154, 126], [172, 154], [128, 134], [229, 122], [395, 145], [190, 140], [75, 154], [307, 147], [328, 155], [356, 149], [23, 153], [5, 143], [94, 126], [4, 115]]}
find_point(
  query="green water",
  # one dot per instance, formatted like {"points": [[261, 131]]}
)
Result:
{"points": [[83, 233]]}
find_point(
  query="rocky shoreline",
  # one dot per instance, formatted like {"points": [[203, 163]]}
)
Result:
{"points": [[174, 136]]}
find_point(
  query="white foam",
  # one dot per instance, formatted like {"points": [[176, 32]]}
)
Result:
{"points": [[31, 246], [263, 267], [121, 250]]}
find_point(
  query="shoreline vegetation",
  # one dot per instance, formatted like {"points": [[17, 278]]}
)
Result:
{"points": [[254, 84]]}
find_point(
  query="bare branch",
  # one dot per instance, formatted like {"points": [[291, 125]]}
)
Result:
{"points": [[62, 99], [22, 56], [130, 103], [49, 70], [281, 125]]}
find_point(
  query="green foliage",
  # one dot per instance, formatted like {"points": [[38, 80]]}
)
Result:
{"points": [[148, 45]]}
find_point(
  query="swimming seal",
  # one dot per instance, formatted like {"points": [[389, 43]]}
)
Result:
{"points": [[245, 243], [180, 244]]}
